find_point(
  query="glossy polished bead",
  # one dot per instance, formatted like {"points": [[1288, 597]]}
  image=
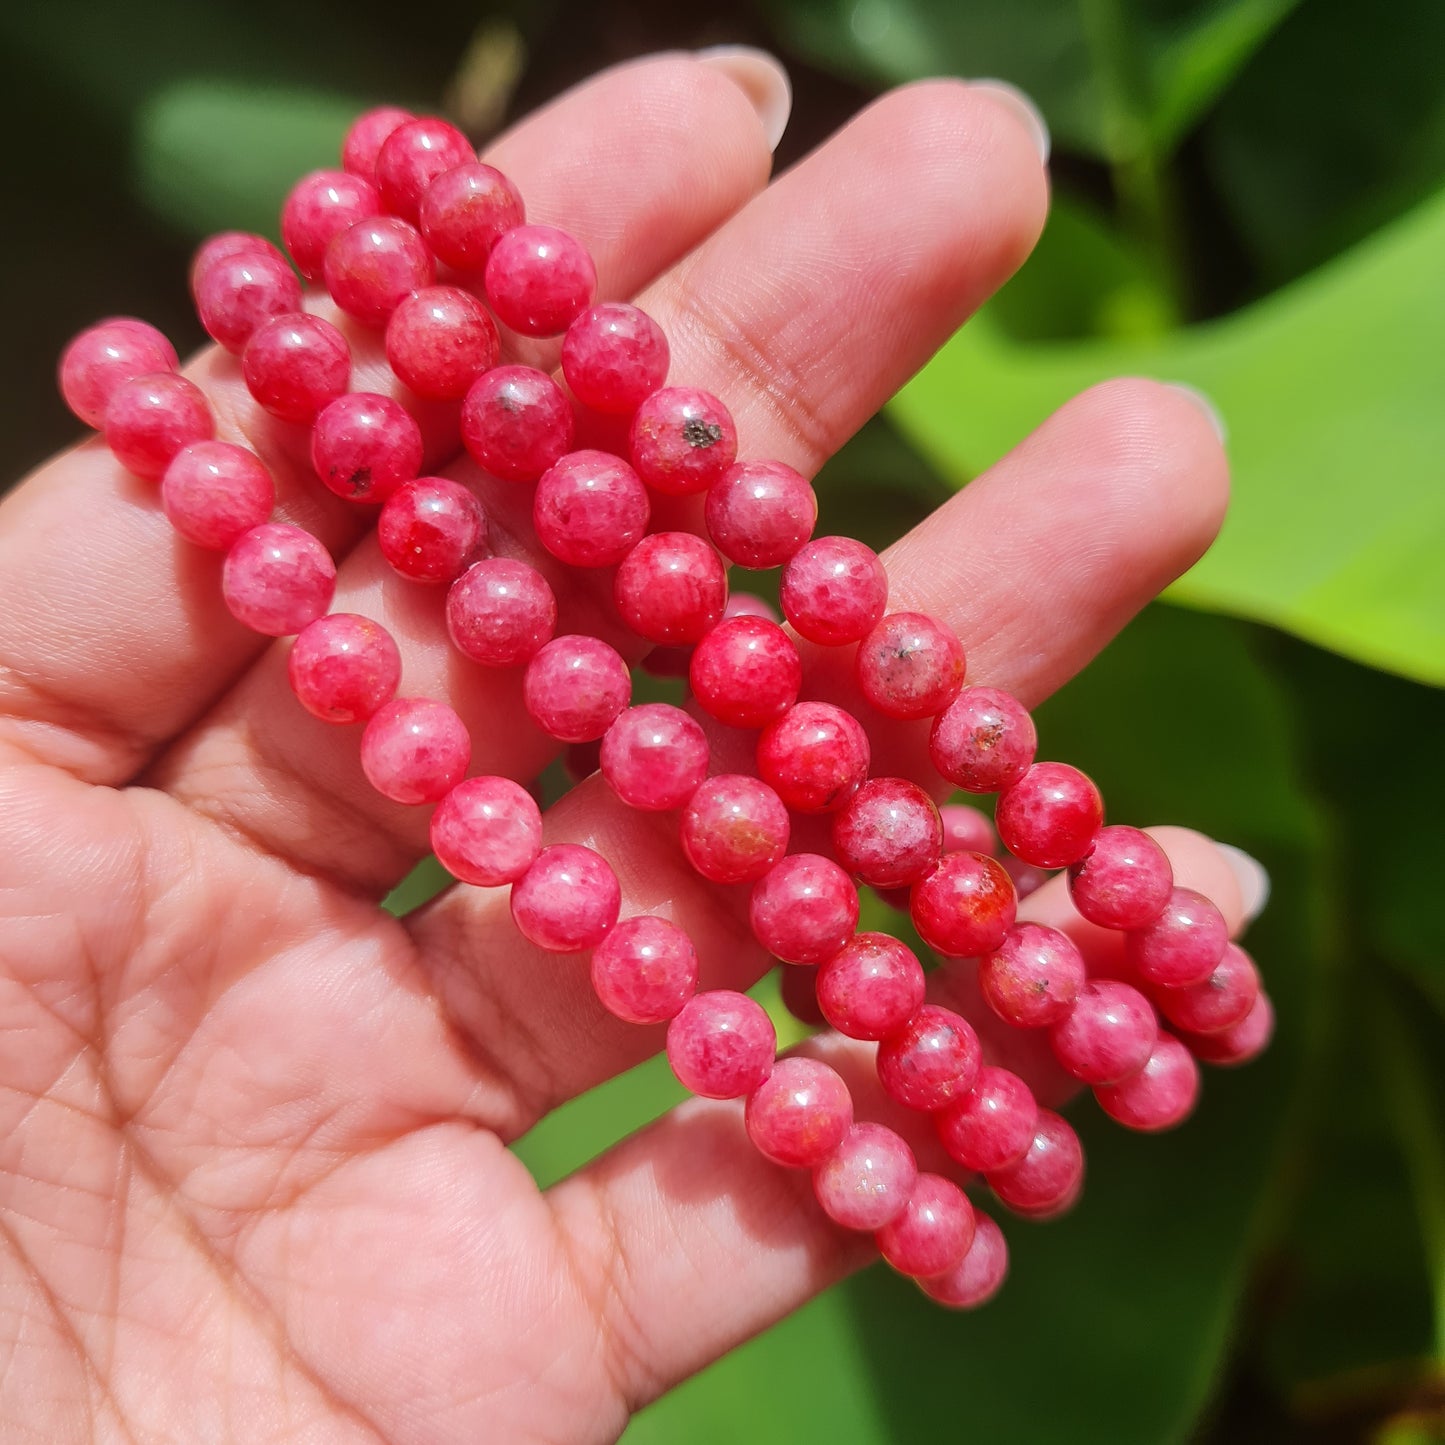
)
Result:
{"points": [[682, 440], [343, 667], [889, 835], [367, 135], [799, 1114], [567, 900], [645, 970], [412, 156], [415, 750], [747, 604], [909, 666], [1047, 1180], [721, 1044], [104, 357], [237, 296], [734, 828], [654, 757], [1161, 1095], [277, 578], [1051, 816], [431, 529], [1108, 1034], [993, 1124], [804, 909], [614, 357], [965, 907], [966, 829], [150, 418], [364, 446], [487, 831], [871, 987], [212, 492], [516, 423], [319, 206], [1217, 1002], [224, 245], [834, 590], [815, 756], [865, 1182], [1033, 977], [1124, 881], [671, 588], [1183, 945], [575, 687], [501, 612], [296, 365], [932, 1232], [539, 280], [373, 265], [978, 1276], [465, 210], [590, 509], [1241, 1042], [983, 741], [759, 513], [439, 341], [746, 672], [931, 1061]]}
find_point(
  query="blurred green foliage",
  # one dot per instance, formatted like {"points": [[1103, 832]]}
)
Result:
{"points": [[1250, 196]]}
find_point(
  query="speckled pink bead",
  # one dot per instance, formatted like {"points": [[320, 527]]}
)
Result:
{"points": [[150, 418], [1217, 1002], [487, 831], [978, 1276], [614, 357], [364, 446], [222, 246], [412, 156], [319, 206], [516, 423], [439, 341], [367, 135], [590, 509], [415, 750], [277, 578], [932, 1232], [965, 907], [871, 987], [567, 900], [804, 909], [721, 1045], [1033, 977], [909, 666], [834, 591], [799, 1114], [815, 756], [501, 612], [759, 513], [1182, 945], [237, 296], [1108, 1034], [682, 440], [343, 667], [465, 210], [575, 687], [993, 1124], [890, 834], [1123, 881], [296, 365], [1048, 1178], [865, 1182], [212, 492], [984, 741], [1161, 1095], [432, 529], [931, 1061], [104, 357], [1051, 816], [671, 588], [645, 970], [746, 672], [734, 828], [654, 756], [539, 280], [373, 265], [1242, 1042], [966, 829]]}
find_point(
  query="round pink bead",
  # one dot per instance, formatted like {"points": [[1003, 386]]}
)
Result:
{"points": [[834, 590], [439, 341], [815, 756], [746, 672], [487, 831], [965, 907], [993, 1124], [804, 909], [344, 667], [236, 296], [1108, 1034], [721, 1045], [978, 1276], [1217, 1002], [320, 206], [682, 441], [865, 1182], [645, 970], [614, 357], [1033, 977], [516, 423], [412, 157], [1242, 1042], [465, 210], [909, 666], [932, 1232], [590, 509], [214, 491], [296, 365], [760, 513], [373, 265], [415, 750], [983, 741], [575, 687], [105, 357], [890, 834], [1183, 945], [799, 1114], [539, 280], [966, 829], [1048, 1178], [150, 418], [431, 529], [367, 135], [222, 246], [500, 612], [745, 604], [931, 1061], [654, 756], [671, 587], [1124, 881], [1162, 1094], [871, 987], [567, 900], [277, 578], [364, 446], [734, 828], [1051, 816]]}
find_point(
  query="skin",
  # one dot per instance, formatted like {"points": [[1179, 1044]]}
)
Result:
{"points": [[253, 1174]]}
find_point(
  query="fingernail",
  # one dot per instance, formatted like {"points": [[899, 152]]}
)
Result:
{"points": [[761, 77], [1253, 881], [1205, 405], [1023, 106]]}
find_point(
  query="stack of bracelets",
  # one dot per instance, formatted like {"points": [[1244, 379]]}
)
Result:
{"points": [[411, 198]]}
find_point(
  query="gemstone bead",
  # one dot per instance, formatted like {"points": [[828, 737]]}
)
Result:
{"points": [[746, 672], [645, 970], [734, 828], [682, 440], [759, 513], [321, 205], [834, 590], [721, 1044], [1033, 977], [367, 135], [747, 604], [590, 509], [1027, 879], [567, 900], [212, 492], [965, 907], [966, 829], [373, 265], [909, 666], [439, 341], [654, 756], [500, 612], [343, 667], [296, 365], [575, 687], [865, 1182], [614, 357], [799, 1114], [889, 835], [104, 357], [487, 831], [539, 280], [516, 423], [1124, 881], [1108, 1034], [1162, 1094], [222, 246], [412, 156], [1242, 1041], [1051, 816], [465, 210], [364, 446], [1217, 1002], [992, 1125], [431, 529], [815, 756], [415, 750], [871, 987], [277, 578], [804, 909], [978, 1276], [1184, 943], [1047, 1180], [236, 296], [150, 418], [932, 1232], [931, 1061], [671, 588], [983, 741]]}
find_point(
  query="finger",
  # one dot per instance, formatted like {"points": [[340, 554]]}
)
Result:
{"points": [[113, 633]]}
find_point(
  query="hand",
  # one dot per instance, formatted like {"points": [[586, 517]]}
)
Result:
{"points": [[254, 1180]]}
